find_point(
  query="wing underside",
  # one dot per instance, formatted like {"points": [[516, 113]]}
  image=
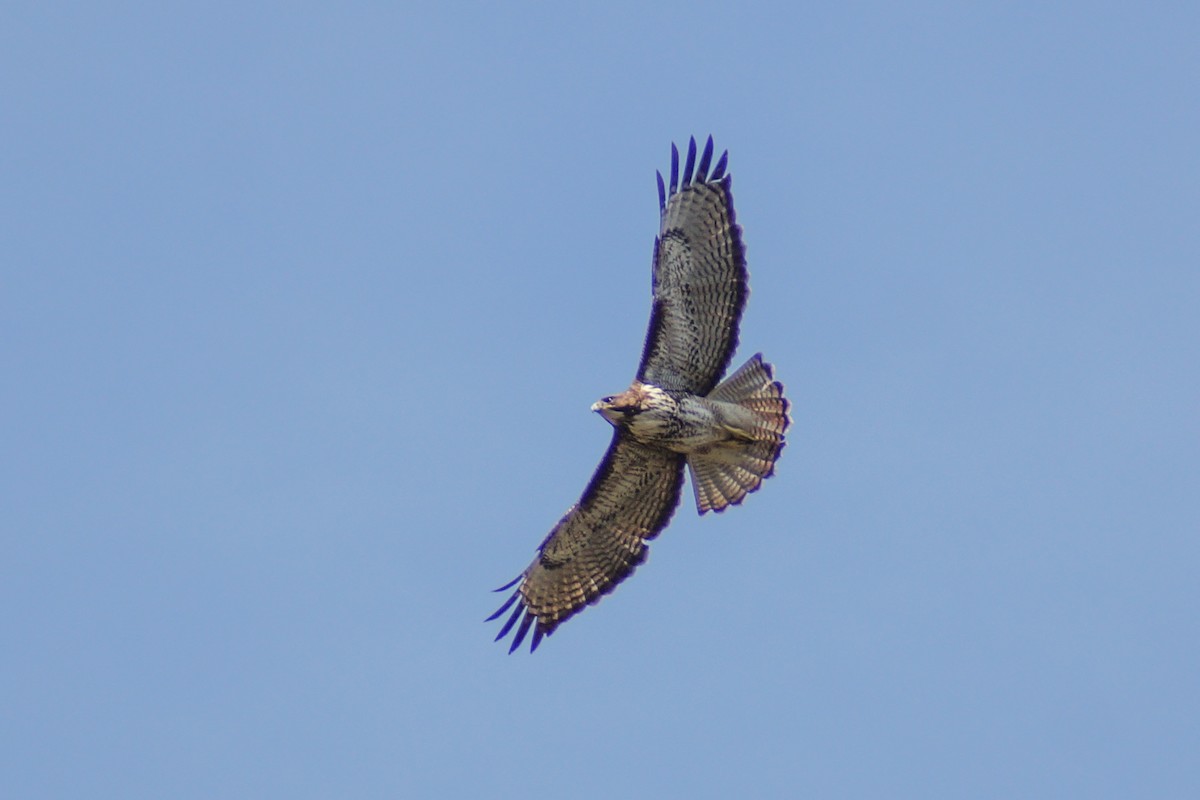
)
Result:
{"points": [[700, 281], [599, 541]]}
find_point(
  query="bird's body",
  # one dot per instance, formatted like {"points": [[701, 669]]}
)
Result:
{"points": [[677, 411], [677, 421]]}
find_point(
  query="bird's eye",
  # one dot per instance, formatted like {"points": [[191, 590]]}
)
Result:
{"points": [[606, 399]]}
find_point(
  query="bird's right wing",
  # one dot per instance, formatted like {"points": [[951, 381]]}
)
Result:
{"points": [[599, 541]]}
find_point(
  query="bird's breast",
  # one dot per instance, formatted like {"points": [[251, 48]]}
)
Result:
{"points": [[682, 424]]}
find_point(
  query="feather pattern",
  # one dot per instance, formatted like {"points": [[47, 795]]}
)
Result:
{"points": [[600, 540], [724, 477], [700, 282]]}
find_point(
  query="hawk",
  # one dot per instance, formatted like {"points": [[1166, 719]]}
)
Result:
{"points": [[677, 411]]}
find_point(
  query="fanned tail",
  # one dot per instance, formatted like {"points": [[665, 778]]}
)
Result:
{"points": [[726, 474]]}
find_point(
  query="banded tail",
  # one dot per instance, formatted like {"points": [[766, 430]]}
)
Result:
{"points": [[726, 474]]}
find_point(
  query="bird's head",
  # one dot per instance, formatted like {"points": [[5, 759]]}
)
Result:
{"points": [[619, 407]]}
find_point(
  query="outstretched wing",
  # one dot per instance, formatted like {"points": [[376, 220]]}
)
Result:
{"points": [[700, 278], [599, 541]]}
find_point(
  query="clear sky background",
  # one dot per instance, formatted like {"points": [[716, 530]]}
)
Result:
{"points": [[303, 308]]}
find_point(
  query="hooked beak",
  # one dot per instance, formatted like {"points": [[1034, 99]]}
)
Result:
{"points": [[606, 410]]}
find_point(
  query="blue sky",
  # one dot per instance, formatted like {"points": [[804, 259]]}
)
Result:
{"points": [[303, 310]]}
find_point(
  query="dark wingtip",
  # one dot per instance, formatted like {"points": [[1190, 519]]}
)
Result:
{"points": [[691, 162], [662, 193], [527, 620], [705, 160], [504, 607], [508, 625], [719, 171], [521, 631], [674, 168], [538, 633], [510, 584]]}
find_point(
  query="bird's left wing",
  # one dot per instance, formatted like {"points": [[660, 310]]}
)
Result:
{"points": [[700, 277], [599, 541]]}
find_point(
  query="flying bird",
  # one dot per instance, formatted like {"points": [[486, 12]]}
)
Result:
{"points": [[677, 411]]}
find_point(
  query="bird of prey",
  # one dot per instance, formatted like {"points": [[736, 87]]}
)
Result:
{"points": [[677, 411]]}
